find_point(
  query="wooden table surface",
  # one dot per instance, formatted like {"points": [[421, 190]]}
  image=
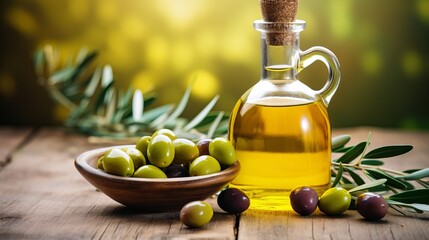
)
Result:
{"points": [[42, 196]]}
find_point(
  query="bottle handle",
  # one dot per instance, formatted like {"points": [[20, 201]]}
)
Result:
{"points": [[313, 54]]}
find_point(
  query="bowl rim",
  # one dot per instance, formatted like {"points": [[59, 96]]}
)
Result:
{"points": [[82, 162]]}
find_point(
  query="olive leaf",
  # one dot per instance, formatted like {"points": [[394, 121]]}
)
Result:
{"points": [[214, 125], [388, 151], [352, 153], [339, 175], [83, 60], [355, 176], [155, 113], [179, 109], [391, 181], [210, 117], [91, 87], [340, 141], [369, 185], [138, 105], [62, 75], [200, 116], [111, 106], [372, 162], [412, 196], [416, 207], [419, 174]]}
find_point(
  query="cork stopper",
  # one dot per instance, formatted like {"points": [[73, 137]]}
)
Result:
{"points": [[279, 11]]}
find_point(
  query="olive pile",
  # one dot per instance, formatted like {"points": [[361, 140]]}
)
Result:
{"points": [[164, 155], [335, 201]]}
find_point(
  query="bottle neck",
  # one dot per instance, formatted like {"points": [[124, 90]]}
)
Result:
{"points": [[280, 62], [280, 48]]}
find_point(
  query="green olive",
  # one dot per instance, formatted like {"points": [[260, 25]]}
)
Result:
{"points": [[166, 132], [196, 214], [334, 201], [204, 165], [137, 157], [149, 171], [117, 162], [142, 144], [184, 151], [100, 163], [223, 151], [160, 151]]}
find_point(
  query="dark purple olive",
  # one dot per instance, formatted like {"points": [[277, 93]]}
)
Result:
{"points": [[304, 200], [176, 170], [203, 146], [233, 200], [371, 206]]}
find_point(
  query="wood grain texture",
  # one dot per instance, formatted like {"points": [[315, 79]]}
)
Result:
{"points": [[289, 225], [10, 140], [42, 196]]}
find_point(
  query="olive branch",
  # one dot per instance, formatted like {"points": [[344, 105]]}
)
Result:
{"points": [[99, 109], [402, 189]]}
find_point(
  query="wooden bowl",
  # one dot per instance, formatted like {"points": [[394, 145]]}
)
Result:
{"points": [[149, 194]]}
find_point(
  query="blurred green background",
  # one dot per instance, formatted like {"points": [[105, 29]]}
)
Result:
{"points": [[159, 45]]}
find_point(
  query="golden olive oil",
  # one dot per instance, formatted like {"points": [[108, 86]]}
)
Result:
{"points": [[281, 143]]}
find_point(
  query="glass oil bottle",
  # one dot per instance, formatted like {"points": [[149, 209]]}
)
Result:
{"points": [[280, 127]]}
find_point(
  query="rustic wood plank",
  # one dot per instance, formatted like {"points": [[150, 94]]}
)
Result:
{"points": [[10, 139], [44, 197], [289, 225]]}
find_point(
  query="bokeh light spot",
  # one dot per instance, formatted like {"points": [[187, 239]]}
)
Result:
{"points": [[132, 28], [118, 50], [156, 52], [180, 13], [60, 113], [206, 43], [205, 84], [236, 45], [371, 62], [341, 25], [106, 10], [422, 9], [182, 56], [312, 28], [78, 9], [144, 80], [7, 85], [412, 64], [21, 20]]}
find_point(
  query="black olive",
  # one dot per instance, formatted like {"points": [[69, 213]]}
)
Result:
{"points": [[304, 200], [371, 206], [233, 200]]}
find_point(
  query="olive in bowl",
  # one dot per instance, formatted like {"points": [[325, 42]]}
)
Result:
{"points": [[152, 194]]}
